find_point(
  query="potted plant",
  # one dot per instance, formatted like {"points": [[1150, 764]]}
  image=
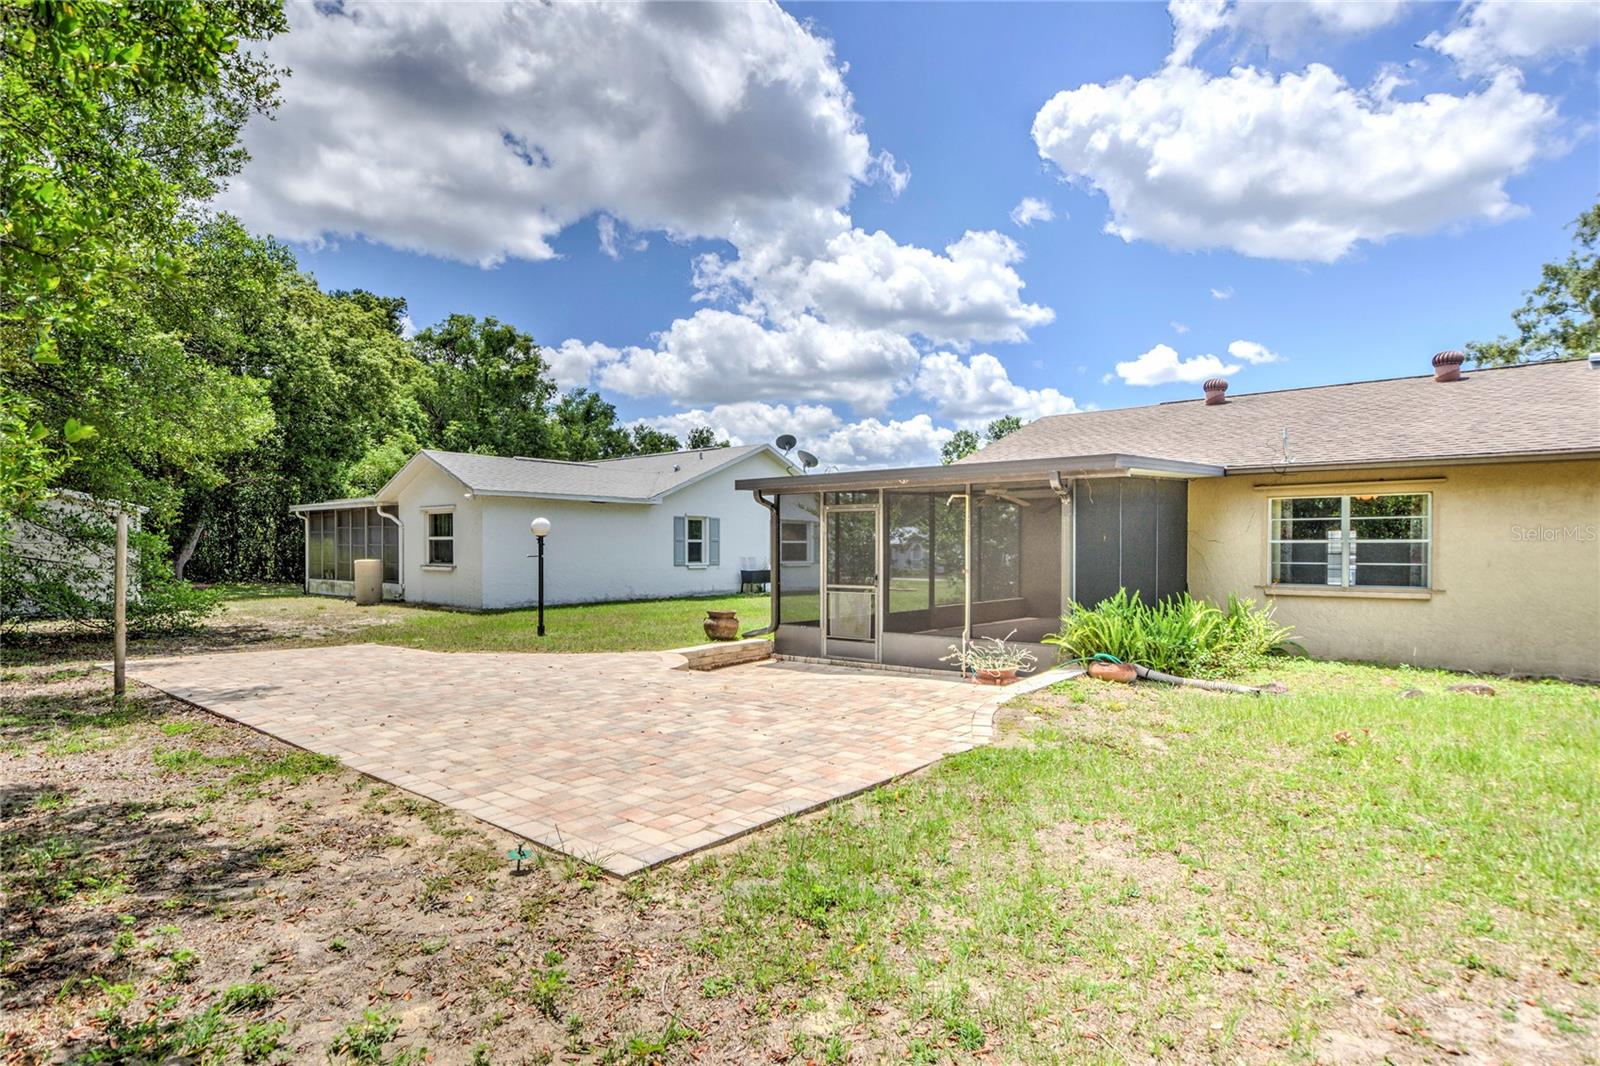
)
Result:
{"points": [[722, 625], [991, 660]]}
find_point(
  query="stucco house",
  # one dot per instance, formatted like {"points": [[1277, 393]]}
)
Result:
{"points": [[1449, 520], [452, 528]]}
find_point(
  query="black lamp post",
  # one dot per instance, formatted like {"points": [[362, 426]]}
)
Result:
{"points": [[541, 528]]}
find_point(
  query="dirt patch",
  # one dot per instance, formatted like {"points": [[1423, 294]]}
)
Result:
{"points": [[156, 857]]}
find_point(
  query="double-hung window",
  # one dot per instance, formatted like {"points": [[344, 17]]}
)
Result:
{"points": [[695, 540], [441, 538], [1363, 540], [794, 542]]}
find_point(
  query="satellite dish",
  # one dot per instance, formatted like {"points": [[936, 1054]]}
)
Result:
{"points": [[785, 442], [807, 460]]}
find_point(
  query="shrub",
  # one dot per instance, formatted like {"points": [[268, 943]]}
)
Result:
{"points": [[1179, 635]]}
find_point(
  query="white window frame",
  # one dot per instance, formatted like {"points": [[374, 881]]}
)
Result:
{"points": [[429, 538], [808, 541], [690, 542], [1343, 553]]}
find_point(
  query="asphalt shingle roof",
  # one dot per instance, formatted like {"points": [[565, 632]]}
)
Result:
{"points": [[637, 477], [1531, 409]]}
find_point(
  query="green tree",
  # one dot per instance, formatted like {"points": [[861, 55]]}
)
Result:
{"points": [[167, 369], [1560, 318], [960, 445], [583, 428], [343, 388], [392, 308], [647, 440], [115, 117], [1002, 427], [487, 388], [705, 437]]}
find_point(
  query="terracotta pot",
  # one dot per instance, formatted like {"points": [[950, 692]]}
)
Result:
{"points": [[722, 625], [996, 677], [1099, 668]]}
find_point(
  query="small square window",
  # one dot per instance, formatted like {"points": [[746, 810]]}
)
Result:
{"points": [[441, 538]]}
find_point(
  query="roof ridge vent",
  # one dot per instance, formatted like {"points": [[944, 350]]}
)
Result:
{"points": [[1447, 365]]}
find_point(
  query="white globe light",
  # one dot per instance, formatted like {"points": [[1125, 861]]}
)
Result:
{"points": [[540, 526]]}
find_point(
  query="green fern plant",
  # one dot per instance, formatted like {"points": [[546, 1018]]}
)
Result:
{"points": [[1179, 635]]}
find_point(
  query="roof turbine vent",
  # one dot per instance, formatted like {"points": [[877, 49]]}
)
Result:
{"points": [[1216, 391], [1447, 365]]}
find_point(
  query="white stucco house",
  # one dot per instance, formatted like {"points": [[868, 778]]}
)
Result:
{"points": [[452, 528]]}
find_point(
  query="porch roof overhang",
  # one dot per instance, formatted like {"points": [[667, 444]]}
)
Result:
{"points": [[335, 505], [1009, 471]]}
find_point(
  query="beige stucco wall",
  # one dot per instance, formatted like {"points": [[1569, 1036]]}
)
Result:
{"points": [[1516, 568]]}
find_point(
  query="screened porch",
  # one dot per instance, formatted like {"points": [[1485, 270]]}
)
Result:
{"points": [[337, 534], [897, 572]]}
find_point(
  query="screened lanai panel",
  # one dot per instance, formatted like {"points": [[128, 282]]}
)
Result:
{"points": [[799, 629], [925, 544], [336, 538], [1129, 533], [997, 548]]}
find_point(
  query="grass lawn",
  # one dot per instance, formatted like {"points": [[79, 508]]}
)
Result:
{"points": [[253, 614], [1129, 874]]}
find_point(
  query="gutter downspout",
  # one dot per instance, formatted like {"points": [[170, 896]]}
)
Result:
{"points": [[400, 560], [772, 563]]}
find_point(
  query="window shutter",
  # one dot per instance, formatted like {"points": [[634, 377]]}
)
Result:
{"points": [[714, 541], [680, 534]]}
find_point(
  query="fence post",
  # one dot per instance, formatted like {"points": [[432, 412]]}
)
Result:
{"points": [[119, 611]]}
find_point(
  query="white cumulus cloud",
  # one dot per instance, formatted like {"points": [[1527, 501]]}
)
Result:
{"points": [[479, 131], [1301, 166], [718, 356], [1253, 353], [1492, 34], [972, 292], [1161, 366], [868, 442], [979, 389], [1031, 209], [1279, 26], [887, 172]]}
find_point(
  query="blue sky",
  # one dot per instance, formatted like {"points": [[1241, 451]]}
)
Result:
{"points": [[1335, 192]]}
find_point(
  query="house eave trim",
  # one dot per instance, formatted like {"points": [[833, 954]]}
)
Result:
{"points": [[1008, 470], [1459, 459]]}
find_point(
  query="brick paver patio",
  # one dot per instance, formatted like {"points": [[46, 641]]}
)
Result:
{"points": [[617, 759]]}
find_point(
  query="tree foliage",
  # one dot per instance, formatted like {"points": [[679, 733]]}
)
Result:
{"points": [[1002, 427], [1560, 318], [191, 366], [115, 120], [486, 388], [705, 437], [584, 427], [962, 443], [965, 442]]}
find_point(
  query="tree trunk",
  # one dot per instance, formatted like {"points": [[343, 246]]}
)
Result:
{"points": [[186, 552]]}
